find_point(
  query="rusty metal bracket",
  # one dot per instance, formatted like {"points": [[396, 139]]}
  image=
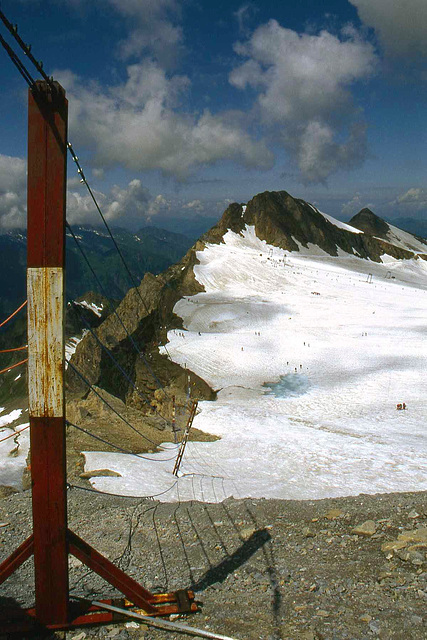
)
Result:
{"points": [[16, 620]]}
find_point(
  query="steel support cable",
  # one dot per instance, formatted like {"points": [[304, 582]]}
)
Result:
{"points": [[204, 461], [201, 488], [123, 560], [199, 538], [127, 551], [203, 475], [119, 495], [181, 539], [114, 310], [13, 30], [15, 433], [118, 366], [191, 459], [92, 195], [232, 522], [12, 366], [15, 349], [39, 66], [92, 388], [162, 558], [159, 623], [110, 444], [196, 474], [192, 475], [180, 534], [18, 63], [215, 528], [14, 313], [195, 461]]}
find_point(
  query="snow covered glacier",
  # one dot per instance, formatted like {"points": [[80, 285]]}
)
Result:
{"points": [[310, 354]]}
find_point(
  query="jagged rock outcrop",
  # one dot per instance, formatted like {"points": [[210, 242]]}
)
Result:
{"points": [[142, 320], [287, 222], [281, 220], [370, 223]]}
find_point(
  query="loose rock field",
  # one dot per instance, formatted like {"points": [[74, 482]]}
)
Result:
{"points": [[336, 569]]}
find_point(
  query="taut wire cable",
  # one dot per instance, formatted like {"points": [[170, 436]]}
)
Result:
{"points": [[12, 366], [114, 310], [92, 388], [13, 314], [114, 446]]}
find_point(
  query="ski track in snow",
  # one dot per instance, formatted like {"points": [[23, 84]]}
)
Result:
{"points": [[350, 350]]}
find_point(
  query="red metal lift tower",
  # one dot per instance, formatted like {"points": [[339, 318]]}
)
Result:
{"points": [[51, 540]]}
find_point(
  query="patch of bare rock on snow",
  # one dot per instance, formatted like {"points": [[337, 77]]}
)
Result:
{"points": [[334, 569]]}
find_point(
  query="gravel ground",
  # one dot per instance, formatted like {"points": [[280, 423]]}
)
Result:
{"points": [[335, 569]]}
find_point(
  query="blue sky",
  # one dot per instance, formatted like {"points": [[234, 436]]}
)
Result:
{"points": [[178, 107]]}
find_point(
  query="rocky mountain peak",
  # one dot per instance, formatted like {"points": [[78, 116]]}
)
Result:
{"points": [[293, 224], [288, 222], [369, 223]]}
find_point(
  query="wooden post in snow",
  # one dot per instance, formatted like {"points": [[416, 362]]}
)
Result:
{"points": [[174, 429], [47, 163], [185, 438]]}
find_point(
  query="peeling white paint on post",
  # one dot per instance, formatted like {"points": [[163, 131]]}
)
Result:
{"points": [[45, 286]]}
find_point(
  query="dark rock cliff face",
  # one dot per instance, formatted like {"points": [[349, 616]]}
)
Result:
{"points": [[132, 336], [230, 220], [147, 313], [281, 220], [370, 223]]}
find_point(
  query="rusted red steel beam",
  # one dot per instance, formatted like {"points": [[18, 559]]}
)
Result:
{"points": [[47, 166], [18, 557], [25, 622], [47, 169], [51, 541], [107, 570]]}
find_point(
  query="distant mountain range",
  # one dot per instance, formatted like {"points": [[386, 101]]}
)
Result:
{"points": [[192, 227], [150, 249]]}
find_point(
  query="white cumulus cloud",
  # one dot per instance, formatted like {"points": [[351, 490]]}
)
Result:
{"points": [[414, 199], [194, 205], [158, 205], [132, 202], [154, 29], [304, 93], [401, 25], [353, 206], [138, 125], [13, 192]]}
